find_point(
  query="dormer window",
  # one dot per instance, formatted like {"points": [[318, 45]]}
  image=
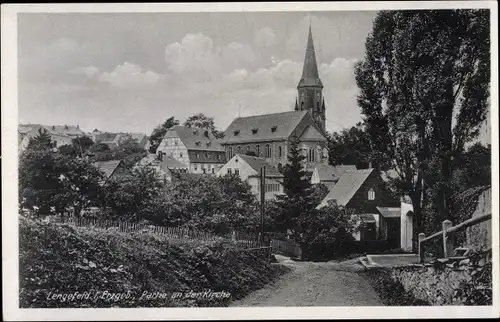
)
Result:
{"points": [[371, 194], [208, 143], [236, 132], [273, 129], [195, 132], [198, 143], [254, 131]]}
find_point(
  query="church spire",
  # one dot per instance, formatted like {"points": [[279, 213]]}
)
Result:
{"points": [[310, 75]]}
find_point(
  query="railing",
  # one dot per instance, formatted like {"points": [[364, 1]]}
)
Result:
{"points": [[447, 235]]}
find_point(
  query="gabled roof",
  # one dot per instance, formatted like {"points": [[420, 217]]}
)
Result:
{"points": [[108, 168], [260, 127], [257, 163], [347, 186], [390, 212], [332, 173], [195, 138], [312, 134], [70, 130]]}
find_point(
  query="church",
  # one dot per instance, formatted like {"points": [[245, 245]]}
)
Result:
{"points": [[268, 135]]}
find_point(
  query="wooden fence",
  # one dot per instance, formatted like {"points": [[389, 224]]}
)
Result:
{"points": [[170, 233], [446, 234], [286, 247]]}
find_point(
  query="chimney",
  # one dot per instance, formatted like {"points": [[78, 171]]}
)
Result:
{"points": [[78, 126]]}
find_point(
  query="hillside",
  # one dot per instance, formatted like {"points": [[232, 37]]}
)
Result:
{"points": [[65, 266]]}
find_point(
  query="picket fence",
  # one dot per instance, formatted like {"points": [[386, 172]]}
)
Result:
{"points": [[173, 234]]}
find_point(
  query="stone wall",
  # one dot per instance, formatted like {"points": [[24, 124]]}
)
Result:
{"points": [[437, 283]]}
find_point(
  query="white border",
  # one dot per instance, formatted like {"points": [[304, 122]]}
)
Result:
{"points": [[9, 173]]}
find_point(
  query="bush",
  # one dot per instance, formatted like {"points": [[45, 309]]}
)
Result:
{"points": [[63, 259]]}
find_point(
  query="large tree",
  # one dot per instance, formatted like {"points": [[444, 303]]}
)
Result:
{"points": [[298, 198], [352, 146], [202, 121], [424, 86], [159, 132]]}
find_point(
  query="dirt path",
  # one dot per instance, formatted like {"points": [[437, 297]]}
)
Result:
{"points": [[316, 284]]}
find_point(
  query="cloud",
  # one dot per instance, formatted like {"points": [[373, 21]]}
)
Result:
{"points": [[129, 75], [264, 37], [197, 58], [88, 71]]}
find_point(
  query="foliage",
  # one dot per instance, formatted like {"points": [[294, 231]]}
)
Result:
{"points": [[126, 196], [52, 182], [478, 290], [82, 144], [352, 146], [63, 259], [319, 192], [422, 71], [327, 233], [41, 141], [159, 132], [202, 121], [209, 203], [128, 150]]}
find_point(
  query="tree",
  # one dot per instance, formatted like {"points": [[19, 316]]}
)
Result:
{"points": [[202, 121], [420, 69], [53, 182], [159, 132], [352, 146], [298, 199], [82, 144], [42, 141]]}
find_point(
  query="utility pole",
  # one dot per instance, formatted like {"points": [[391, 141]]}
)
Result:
{"points": [[262, 199]]}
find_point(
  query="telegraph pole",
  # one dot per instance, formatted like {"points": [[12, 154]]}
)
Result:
{"points": [[262, 199]]}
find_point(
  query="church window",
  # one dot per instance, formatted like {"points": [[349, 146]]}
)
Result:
{"points": [[239, 149], [371, 194], [257, 150], [236, 132], [229, 152], [248, 148], [279, 151], [268, 151]]}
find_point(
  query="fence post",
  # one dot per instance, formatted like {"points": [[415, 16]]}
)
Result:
{"points": [[421, 250], [447, 239]]}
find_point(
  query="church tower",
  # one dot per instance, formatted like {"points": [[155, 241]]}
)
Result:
{"points": [[310, 87]]}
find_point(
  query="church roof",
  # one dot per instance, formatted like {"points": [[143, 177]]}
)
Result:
{"points": [[310, 75], [266, 127], [332, 173]]}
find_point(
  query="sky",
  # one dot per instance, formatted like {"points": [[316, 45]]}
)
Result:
{"points": [[128, 72], [131, 71]]}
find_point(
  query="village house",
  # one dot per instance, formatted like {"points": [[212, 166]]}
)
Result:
{"points": [[166, 168], [248, 169], [59, 134], [268, 136], [197, 148], [112, 170], [329, 174], [112, 140], [378, 210]]}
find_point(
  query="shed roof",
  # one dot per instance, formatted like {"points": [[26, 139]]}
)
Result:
{"points": [[390, 212]]}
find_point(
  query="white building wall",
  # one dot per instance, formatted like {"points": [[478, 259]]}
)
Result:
{"points": [[406, 226]]}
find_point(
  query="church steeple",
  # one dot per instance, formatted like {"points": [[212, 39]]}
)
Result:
{"points": [[310, 87], [310, 76]]}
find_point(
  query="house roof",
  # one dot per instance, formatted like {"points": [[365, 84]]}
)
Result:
{"points": [[196, 138], [257, 163], [347, 186], [70, 130], [259, 127], [390, 212], [332, 173], [108, 168]]}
